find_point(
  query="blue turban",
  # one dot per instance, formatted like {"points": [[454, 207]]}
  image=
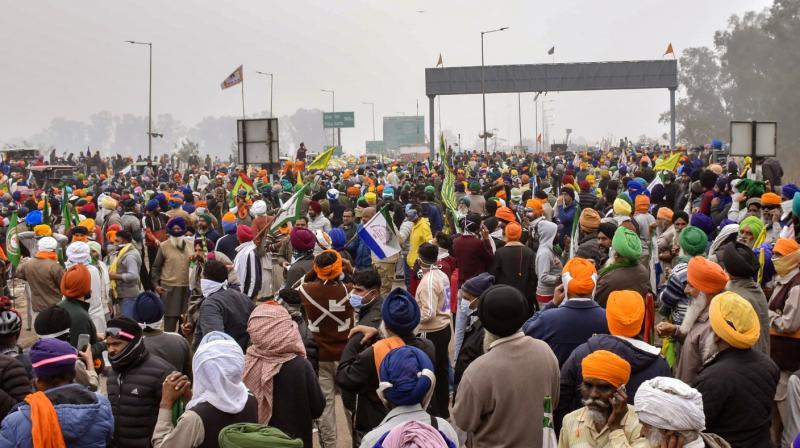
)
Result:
{"points": [[338, 238], [406, 375], [789, 190], [176, 221], [189, 208], [34, 218], [148, 309], [400, 312], [187, 191], [704, 222], [636, 187], [152, 204], [229, 227], [623, 169]]}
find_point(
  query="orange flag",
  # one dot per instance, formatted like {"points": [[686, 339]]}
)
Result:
{"points": [[669, 50], [440, 62]]}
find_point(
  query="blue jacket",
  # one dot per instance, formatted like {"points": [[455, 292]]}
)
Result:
{"points": [[434, 215], [566, 327], [85, 418], [644, 366], [362, 256], [565, 217]]}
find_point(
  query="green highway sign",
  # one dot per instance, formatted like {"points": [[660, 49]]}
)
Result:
{"points": [[374, 146], [338, 120]]}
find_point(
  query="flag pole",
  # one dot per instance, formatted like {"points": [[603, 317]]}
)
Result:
{"points": [[243, 114]]}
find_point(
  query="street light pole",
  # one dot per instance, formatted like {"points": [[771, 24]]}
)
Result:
{"points": [[149, 101], [271, 76], [333, 109], [483, 89], [373, 118]]}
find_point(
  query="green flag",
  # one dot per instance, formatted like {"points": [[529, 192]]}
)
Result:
{"points": [[12, 242], [66, 212], [46, 210]]}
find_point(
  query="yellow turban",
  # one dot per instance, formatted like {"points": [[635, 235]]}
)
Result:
{"points": [[606, 366], [622, 207], [42, 230], [88, 223], [734, 320], [108, 203]]}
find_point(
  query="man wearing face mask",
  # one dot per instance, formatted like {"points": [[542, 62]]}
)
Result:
{"points": [[365, 297], [170, 273], [223, 308]]}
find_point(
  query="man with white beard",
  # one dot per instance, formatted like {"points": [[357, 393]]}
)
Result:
{"points": [[671, 414], [705, 279], [606, 419]]}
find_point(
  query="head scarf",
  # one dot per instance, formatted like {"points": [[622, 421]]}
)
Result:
{"points": [[706, 275], [302, 239], [704, 222], [627, 244], [52, 357], [176, 222], [625, 313], [784, 247], [505, 214], [47, 244], [589, 220], [606, 366], [414, 434], [669, 403], [244, 233], [406, 377], [42, 230], [693, 241], [217, 368], [333, 270], [734, 320], [275, 341], [739, 260], [579, 277]]}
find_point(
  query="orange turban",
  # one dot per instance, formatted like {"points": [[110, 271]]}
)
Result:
{"points": [[228, 217], [501, 194], [89, 224], [513, 231], [589, 220], [642, 203], [579, 277], [505, 214], [734, 320], [606, 366], [333, 270], [706, 275], [783, 246], [76, 282], [665, 213], [353, 191], [625, 313], [770, 199], [536, 205]]}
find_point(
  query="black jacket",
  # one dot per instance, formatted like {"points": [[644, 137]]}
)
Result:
{"points": [[738, 388], [587, 199], [514, 265], [14, 384], [296, 399], [135, 394], [471, 349], [227, 244], [644, 366], [226, 310], [358, 376], [370, 314]]}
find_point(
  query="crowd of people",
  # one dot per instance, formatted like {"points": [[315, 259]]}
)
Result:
{"points": [[622, 297]]}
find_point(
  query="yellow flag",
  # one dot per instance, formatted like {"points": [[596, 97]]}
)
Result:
{"points": [[322, 160], [670, 164]]}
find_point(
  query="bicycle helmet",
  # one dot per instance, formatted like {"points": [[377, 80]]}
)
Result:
{"points": [[10, 322]]}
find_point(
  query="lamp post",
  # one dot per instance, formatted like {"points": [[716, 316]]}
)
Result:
{"points": [[333, 109], [271, 76], [149, 101], [483, 89], [373, 118]]}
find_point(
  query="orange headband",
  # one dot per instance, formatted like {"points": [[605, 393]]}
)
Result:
{"points": [[332, 271]]}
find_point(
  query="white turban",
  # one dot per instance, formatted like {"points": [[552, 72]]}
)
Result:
{"points": [[669, 403], [259, 208], [47, 244], [218, 366], [78, 253]]}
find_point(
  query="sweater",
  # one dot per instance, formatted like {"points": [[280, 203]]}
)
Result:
{"points": [[635, 278], [738, 387], [329, 313], [517, 373], [228, 311], [44, 280], [172, 347], [515, 265], [556, 325], [473, 256], [433, 298], [171, 267]]}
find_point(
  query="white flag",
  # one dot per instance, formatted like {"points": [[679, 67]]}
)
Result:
{"points": [[290, 210], [379, 237], [234, 78], [656, 181]]}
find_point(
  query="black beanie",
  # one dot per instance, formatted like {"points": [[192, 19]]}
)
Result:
{"points": [[53, 322], [502, 310], [428, 253], [739, 260], [608, 229]]}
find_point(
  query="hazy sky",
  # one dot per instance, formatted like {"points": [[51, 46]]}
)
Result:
{"points": [[69, 59]]}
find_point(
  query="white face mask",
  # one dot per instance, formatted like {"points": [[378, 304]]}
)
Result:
{"points": [[210, 286]]}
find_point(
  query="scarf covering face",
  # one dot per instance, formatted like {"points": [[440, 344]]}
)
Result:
{"points": [[217, 369], [414, 434], [210, 286], [787, 263], [252, 435], [275, 341]]}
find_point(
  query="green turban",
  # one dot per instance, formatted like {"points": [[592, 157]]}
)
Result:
{"points": [[693, 241], [474, 187], [753, 223], [627, 244], [252, 435], [430, 189]]}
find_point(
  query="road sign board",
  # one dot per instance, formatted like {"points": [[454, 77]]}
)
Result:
{"points": [[401, 131], [374, 146], [338, 120]]}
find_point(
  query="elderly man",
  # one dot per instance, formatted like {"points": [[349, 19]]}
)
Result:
{"points": [[606, 419], [170, 272], [784, 326], [671, 414], [43, 274], [555, 324], [738, 384], [515, 373], [704, 280], [625, 272]]}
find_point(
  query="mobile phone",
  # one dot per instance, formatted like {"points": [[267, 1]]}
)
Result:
{"points": [[83, 341]]}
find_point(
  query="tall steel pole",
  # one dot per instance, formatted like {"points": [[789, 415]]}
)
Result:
{"points": [[519, 112], [271, 76], [483, 88], [333, 109], [149, 100]]}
